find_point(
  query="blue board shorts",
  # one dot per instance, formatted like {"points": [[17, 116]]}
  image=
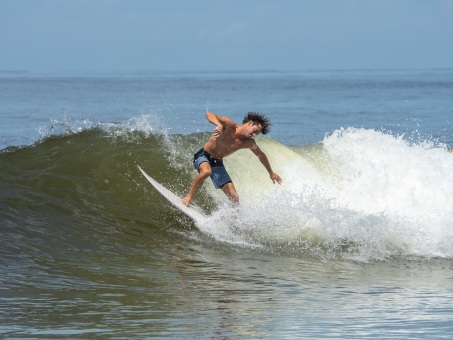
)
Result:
{"points": [[219, 175]]}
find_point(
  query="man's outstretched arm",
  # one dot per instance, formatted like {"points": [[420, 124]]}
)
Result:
{"points": [[265, 161]]}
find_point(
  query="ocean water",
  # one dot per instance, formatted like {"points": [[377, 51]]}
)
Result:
{"points": [[356, 243]]}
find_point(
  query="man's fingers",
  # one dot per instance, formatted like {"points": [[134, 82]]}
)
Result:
{"points": [[275, 177]]}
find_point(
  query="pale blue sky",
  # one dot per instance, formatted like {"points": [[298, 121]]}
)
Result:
{"points": [[193, 35]]}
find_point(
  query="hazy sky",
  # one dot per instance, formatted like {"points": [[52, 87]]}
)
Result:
{"points": [[124, 35]]}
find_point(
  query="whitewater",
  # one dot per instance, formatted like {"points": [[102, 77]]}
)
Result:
{"points": [[364, 191]]}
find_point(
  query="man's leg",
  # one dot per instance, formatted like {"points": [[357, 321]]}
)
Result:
{"points": [[231, 193], [204, 172]]}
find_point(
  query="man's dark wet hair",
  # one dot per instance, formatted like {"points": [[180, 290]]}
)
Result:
{"points": [[258, 118]]}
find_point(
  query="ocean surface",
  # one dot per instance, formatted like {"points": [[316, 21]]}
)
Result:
{"points": [[356, 243]]}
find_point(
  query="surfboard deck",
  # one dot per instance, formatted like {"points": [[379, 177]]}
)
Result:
{"points": [[191, 211]]}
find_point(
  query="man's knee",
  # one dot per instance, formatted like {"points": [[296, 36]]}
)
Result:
{"points": [[205, 170]]}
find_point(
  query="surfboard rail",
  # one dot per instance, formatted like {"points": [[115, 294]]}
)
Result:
{"points": [[190, 211]]}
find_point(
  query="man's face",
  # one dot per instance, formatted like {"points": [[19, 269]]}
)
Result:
{"points": [[253, 129]]}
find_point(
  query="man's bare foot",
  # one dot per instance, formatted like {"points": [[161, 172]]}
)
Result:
{"points": [[185, 201]]}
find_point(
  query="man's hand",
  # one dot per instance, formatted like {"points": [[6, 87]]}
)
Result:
{"points": [[275, 177], [218, 130]]}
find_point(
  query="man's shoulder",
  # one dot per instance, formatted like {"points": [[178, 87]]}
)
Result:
{"points": [[228, 122], [249, 144]]}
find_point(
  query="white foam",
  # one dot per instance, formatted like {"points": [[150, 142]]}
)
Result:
{"points": [[372, 195]]}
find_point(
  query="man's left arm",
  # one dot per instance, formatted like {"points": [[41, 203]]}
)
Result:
{"points": [[265, 161]]}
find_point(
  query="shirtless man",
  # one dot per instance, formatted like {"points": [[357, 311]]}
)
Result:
{"points": [[227, 138]]}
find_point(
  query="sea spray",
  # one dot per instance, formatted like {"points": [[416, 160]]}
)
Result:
{"points": [[373, 196], [411, 184]]}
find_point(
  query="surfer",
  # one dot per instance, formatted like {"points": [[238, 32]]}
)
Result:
{"points": [[227, 138]]}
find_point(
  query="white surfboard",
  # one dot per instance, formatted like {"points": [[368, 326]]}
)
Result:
{"points": [[190, 211]]}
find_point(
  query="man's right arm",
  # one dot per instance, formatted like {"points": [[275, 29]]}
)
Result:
{"points": [[213, 118], [220, 121]]}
